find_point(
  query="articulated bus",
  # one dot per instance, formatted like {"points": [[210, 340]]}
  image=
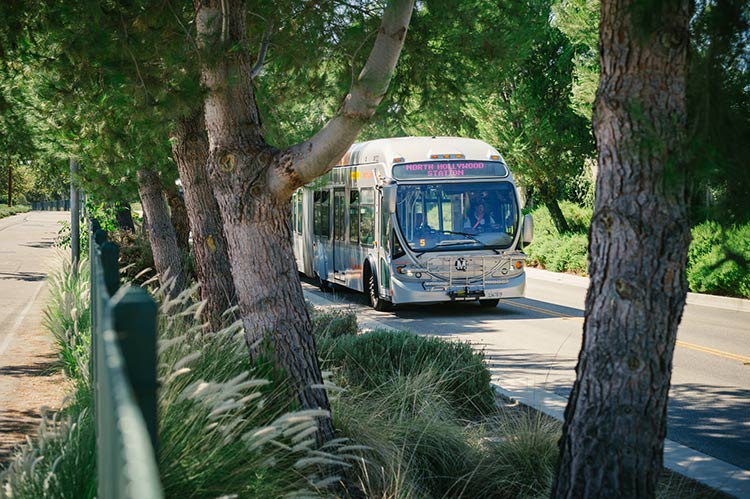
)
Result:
{"points": [[415, 220]]}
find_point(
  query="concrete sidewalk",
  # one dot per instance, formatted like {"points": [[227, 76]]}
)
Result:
{"points": [[28, 377]]}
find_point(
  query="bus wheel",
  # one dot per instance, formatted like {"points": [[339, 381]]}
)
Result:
{"points": [[489, 303], [376, 301], [324, 285]]}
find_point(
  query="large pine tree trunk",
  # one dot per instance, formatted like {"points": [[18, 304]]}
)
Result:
{"points": [[253, 184], [549, 197], [616, 418], [190, 151], [179, 215], [161, 233], [124, 216]]}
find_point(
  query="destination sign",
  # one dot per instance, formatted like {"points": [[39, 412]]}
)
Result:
{"points": [[450, 169]]}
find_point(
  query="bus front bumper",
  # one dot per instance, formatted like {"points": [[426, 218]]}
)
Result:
{"points": [[427, 292]]}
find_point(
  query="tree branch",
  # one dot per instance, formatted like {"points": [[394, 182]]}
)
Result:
{"points": [[312, 158], [262, 53]]}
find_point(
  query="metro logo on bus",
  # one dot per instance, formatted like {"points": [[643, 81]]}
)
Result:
{"points": [[450, 169]]}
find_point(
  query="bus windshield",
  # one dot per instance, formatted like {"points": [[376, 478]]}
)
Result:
{"points": [[451, 216]]}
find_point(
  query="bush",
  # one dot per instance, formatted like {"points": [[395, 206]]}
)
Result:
{"points": [[371, 360], [709, 268], [333, 323], [6, 211], [560, 253]]}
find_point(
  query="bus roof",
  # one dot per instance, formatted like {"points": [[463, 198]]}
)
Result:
{"points": [[414, 149]]}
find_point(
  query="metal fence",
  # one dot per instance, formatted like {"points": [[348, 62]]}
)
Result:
{"points": [[123, 343], [56, 205]]}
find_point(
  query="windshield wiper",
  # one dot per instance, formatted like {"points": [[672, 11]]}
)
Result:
{"points": [[471, 237]]}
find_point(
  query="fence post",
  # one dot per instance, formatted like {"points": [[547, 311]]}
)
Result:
{"points": [[110, 255], [75, 217], [134, 315]]}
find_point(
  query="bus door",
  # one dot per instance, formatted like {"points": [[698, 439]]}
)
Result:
{"points": [[340, 254], [384, 246]]}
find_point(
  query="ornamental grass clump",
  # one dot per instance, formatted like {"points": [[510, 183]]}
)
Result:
{"points": [[60, 462], [67, 317], [369, 361], [226, 426]]}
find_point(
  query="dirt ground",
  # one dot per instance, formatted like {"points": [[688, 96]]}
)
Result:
{"points": [[29, 382]]}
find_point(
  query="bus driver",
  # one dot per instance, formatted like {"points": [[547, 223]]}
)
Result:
{"points": [[479, 220]]}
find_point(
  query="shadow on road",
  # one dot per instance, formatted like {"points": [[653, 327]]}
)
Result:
{"points": [[23, 276], [712, 419]]}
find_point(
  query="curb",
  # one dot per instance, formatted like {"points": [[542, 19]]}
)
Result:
{"points": [[688, 462], [699, 299]]}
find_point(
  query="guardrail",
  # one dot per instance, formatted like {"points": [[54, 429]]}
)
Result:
{"points": [[123, 370]]}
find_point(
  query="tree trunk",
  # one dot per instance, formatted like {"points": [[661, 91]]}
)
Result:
{"points": [[161, 233], [124, 216], [10, 184], [179, 216], [616, 418], [550, 201], [253, 184], [190, 151]]}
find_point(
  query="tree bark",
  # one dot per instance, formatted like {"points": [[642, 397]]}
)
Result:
{"points": [[124, 216], [214, 273], [10, 184], [253, 183], [179, 216], [616, 418], [550, 201], [161, 235]]}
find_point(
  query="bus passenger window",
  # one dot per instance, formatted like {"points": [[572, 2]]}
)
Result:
{"points": [[354, 217], [367, 217], [322, 211]]}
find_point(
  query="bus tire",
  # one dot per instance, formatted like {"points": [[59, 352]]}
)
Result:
{"points": [[324, 285], [489, 303], [373, 294]]}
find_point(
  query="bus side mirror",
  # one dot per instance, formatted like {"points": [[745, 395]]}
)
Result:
{"points": [[528, 229], [389, 198]]}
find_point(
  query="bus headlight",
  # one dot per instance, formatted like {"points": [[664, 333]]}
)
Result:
{"points": [[409, 272]]}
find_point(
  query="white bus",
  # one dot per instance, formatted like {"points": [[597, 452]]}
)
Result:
{"points": [[415, 220]]}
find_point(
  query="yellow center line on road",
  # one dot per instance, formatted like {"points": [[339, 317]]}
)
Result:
{"points": [[691, 346], [713, 351], [541, 310]]}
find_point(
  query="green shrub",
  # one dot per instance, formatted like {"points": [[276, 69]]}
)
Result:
{"points": [[709, 269], [371, 360], [560, 253], [6, 211], [333, 323]]}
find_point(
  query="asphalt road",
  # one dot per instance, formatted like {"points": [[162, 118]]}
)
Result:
{"points": [[535, 341]]}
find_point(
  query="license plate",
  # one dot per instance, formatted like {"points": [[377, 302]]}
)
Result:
{"points": [[493, 293]]}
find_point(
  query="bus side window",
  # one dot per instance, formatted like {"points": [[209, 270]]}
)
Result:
{"points": [[298, 212], [367, 217], [325, 214], [321, 213], [354, 216]]}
